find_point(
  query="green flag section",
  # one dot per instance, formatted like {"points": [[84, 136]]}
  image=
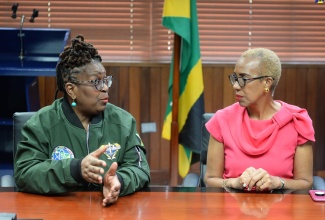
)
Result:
{"points": [[180, 16]]}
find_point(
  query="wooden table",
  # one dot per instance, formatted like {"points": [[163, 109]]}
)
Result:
{"points": [[165, 203]]}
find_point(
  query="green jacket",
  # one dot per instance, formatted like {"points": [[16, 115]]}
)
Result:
{"points": [[54, 143]]}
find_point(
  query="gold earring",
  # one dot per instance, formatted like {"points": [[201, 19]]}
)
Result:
{"points": [[266, 89]]}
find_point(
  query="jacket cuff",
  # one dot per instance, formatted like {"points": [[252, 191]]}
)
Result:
{"points": [[75, 170], [121, 181]]}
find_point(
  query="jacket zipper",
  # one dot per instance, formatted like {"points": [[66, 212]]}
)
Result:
{"points": [[87, 141], [139, 155]]}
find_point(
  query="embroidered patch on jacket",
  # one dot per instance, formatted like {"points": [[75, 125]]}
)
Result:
{"points": [[62, 152], [112, 150]]}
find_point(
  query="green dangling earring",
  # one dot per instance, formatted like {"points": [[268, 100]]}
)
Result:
{"points": [[73, 104]]}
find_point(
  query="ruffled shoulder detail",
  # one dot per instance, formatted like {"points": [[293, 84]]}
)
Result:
{"points": [[302, 122]]}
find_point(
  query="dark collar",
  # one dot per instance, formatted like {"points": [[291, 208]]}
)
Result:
{"points": [[73, 118]]}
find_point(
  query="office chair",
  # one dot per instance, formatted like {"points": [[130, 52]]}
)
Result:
{"points": [[194, 180], [19, 119]]}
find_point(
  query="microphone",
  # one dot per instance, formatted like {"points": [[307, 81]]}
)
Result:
{"points": [[21, 35], [22, 21]]}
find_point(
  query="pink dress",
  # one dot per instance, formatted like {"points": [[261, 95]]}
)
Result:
{"points": [[268, 144]]}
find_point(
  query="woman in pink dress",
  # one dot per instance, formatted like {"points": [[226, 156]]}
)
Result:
{"points": [[259, 143]]}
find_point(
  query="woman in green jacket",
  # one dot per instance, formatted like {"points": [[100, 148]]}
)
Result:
{"points": [[81, 142]]}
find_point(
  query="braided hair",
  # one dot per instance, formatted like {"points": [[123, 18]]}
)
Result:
{"points": [[73, 60]]}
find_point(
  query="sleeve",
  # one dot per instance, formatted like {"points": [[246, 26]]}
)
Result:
{"points": [[134, 168], [35, 171], [302, 123], [304, 127]]}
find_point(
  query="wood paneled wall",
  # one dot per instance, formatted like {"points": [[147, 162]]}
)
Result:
{"points": [[141, 89]]}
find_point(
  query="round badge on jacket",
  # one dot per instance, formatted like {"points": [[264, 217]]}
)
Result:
{"points": [[62, 152]]}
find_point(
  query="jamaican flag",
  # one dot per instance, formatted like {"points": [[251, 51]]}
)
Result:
{"points": [[180, 16]]}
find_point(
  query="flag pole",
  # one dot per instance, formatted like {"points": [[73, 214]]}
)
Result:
{"points": [[174, 123]]}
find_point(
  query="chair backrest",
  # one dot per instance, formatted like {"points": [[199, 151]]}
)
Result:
{"points": [[205, 136], [19, 119]]}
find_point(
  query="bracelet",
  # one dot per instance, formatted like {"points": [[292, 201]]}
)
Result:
{"points": [[224, 183], [282, 183]]}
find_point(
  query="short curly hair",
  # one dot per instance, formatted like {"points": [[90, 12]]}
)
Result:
{"points": [[73, 60], [269, 63]]}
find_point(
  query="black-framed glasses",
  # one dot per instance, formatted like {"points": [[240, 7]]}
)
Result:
{"points": [[233, 78], [98, 83]]}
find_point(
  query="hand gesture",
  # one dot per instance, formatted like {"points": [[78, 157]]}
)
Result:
{"points": [[91, 166], [112, 186]]}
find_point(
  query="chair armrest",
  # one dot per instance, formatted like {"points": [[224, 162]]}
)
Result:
{"points": [[191, 180], [7, 181], [318, 183]]}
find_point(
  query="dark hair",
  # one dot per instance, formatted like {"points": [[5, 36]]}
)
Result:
{"points": [[72, 59]]}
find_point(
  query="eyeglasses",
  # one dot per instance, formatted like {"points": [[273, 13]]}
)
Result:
{"points": [[98, 83], [233, 78]]}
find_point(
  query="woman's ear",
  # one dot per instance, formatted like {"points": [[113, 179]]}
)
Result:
{"points": [[70, 89], [268, 82]]}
